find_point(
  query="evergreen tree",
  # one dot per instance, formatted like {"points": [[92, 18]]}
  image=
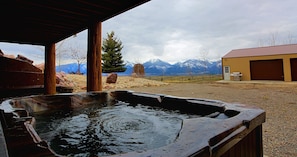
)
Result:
{"points": [[112, 57]]}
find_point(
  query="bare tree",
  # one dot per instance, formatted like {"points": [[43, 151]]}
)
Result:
{"points": [[261, 43], [219, 63], [204, 59], [60, 51], [79, 56], [273, 39], [289, 39]]}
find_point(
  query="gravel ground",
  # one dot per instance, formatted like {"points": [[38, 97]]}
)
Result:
{"points": [[278, 99]]}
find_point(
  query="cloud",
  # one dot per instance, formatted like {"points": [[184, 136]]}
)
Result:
{"points": [[176, 30], [182, 27], [133, 55]]}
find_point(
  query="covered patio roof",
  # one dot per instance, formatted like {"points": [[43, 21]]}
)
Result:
{"points": [[46, 22], [40, 22]]}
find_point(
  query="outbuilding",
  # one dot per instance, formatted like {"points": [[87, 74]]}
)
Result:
{"points": [[262, 63]]}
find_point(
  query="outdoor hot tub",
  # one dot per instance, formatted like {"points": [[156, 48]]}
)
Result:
{"points": [[127, 123]]}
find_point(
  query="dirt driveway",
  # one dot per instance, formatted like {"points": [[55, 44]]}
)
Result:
{"points": [[278, 100]]}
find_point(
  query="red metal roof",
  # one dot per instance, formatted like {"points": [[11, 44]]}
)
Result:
{"points": [[263, 51]]}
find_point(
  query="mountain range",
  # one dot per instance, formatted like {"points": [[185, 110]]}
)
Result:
{"points": [[157, 67]]}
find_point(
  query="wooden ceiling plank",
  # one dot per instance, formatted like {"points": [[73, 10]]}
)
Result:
{"points": [[43, 21]]}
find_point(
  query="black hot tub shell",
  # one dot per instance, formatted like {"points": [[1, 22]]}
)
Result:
{"points": [[238, 134]]}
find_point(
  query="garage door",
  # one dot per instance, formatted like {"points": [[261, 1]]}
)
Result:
{"points": [[267, 69], [294, 69]]}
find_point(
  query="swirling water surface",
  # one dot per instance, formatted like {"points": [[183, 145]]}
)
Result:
{"points": [[101, 131]]}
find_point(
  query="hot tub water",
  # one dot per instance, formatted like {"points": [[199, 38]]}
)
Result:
{"points": [[109, 130]]}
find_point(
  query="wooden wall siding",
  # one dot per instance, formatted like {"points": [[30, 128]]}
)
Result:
{"points": [[17, 65], [15, 80], [267, 69], [293, 62], [19, 74], [249, 146]]}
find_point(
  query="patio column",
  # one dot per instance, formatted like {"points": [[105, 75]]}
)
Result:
{"points": [[94, 67], [50, 69]]}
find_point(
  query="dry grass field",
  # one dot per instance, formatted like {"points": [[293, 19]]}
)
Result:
{"points": [[122, 82], [278, 99]]}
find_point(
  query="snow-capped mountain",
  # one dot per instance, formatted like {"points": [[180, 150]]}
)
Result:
{"points": [[157, 67], [129, 64], [156, 63], [191, 66], [192, 63]]}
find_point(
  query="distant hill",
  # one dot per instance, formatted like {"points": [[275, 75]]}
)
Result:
{"points": [[157, 67]]}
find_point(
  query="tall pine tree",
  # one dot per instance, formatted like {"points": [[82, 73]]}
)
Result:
{"points": [[112, 57]]}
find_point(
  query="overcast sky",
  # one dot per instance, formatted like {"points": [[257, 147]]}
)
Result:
{"points": [[177, 30]]}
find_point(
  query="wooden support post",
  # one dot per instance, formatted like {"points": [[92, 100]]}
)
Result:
{"points": [[50, 69], [94, 67]]}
